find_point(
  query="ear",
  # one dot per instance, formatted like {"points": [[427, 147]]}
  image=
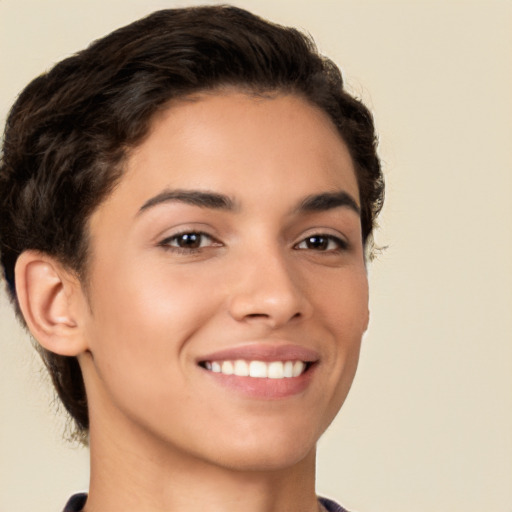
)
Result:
{"points": [[52, 302]]}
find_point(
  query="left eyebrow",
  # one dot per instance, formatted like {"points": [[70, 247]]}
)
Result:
{"points": [[328, 201], [200, 198]]}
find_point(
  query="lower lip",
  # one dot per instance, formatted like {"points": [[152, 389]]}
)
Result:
{"points": [[264, 388]]}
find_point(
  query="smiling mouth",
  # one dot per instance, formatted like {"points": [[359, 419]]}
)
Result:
{"points": [[258, 369]]}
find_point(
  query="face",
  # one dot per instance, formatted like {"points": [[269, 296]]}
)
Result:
{"points": [[228, 288]]}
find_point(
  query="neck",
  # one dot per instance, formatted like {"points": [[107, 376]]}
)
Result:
{"points": [[130, 472]]}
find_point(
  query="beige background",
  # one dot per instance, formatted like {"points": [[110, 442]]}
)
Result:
{"points": [[428, 425]]}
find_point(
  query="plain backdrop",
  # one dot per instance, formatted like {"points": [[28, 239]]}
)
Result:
{"points": [[428, 423]]}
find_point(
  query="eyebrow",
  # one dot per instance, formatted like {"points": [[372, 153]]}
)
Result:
{"points": [[213, 200], [199, 198], [328, 201]]}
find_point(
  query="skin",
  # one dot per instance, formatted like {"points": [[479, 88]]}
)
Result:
{"points": [[159, 422]]}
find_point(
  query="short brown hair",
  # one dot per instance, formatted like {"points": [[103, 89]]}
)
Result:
{"points": [[69, 131]]}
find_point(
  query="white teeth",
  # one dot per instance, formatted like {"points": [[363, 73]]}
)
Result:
{"points": [[227, 368], [258, 369], [241, 368], [275, 370], [298, 368]]}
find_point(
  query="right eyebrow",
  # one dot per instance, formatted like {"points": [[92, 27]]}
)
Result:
{"points": [[328, 201], [200, 198]]}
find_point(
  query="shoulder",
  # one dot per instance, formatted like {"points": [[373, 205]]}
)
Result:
{"points": [[76, 502], [331, 506]]}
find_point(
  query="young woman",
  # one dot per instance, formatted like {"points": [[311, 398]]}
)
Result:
{"points": [[186, 211]]}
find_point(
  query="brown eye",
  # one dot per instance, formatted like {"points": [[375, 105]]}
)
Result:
{"points": [[190, 241], [322, 243]]}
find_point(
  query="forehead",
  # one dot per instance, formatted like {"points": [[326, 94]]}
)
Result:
{"points": [[238, 143]]}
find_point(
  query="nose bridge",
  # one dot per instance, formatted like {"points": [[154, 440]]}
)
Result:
{"points": [[267, 287]]}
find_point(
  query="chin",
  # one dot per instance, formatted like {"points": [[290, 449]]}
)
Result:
{"points": [[265, 460], [272, 451]]}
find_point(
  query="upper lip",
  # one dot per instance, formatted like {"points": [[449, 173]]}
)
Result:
{"points": [[263, 352]]}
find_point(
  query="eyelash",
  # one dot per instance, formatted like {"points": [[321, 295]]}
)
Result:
{"points": [[323, 239], [340, 244], [166, 243]]}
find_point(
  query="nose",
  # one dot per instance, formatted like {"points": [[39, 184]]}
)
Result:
{"points": [[269, 291]]}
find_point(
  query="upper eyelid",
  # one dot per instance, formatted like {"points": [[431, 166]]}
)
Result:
{"points": [[323, 231], [184, 228]]}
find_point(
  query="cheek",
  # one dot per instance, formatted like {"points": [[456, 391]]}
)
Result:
{"points": [[146, 314], [138, 336], [342, 303], [342, 307]]}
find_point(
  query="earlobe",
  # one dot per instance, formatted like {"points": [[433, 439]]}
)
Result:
{"points": [[50, 300]]}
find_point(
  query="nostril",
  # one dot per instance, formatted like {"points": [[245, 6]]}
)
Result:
{"points": [[257, 315]]}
